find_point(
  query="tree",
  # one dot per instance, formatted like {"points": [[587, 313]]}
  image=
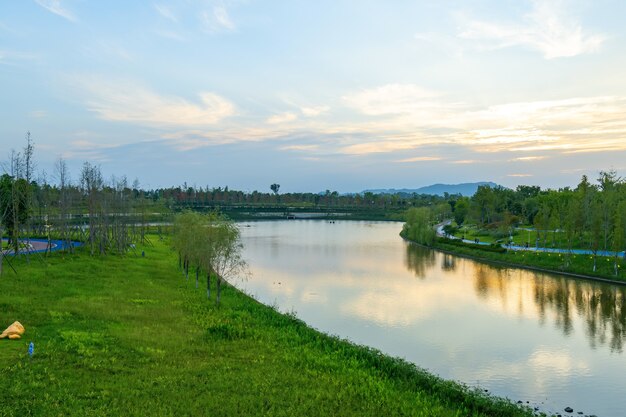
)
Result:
{"points": [[211, 243], [461, 208], [418, 226], [484, 203], [13, 206], [619, 234], [223, 255], [275, 187], [92, 184], [64, 202]]}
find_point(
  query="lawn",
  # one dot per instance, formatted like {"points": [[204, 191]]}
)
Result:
{"points": [[130, 336]]}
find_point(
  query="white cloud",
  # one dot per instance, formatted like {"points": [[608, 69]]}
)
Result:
{"points": [[217, 20], [314, 111], [166, 12], [302, 148], [123, 101], [391, 99], [527, 159], [56, 7], [465, 161], [282, 118], [547, 29], [420, 159], [190, 139], [572, 125], [376, 147], [13, 57]]}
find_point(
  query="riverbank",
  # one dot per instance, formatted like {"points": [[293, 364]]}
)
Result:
{"points": [[572, 265], [130, 336]]}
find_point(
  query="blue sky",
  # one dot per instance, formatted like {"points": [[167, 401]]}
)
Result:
{"points": [[315, 95]]}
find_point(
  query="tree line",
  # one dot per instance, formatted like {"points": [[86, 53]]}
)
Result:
{"points": [[186, 196], [109, 215], [590, 216]]}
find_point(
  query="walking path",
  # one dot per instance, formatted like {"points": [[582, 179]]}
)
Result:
{"points": [[440, 232], [38, 246]]}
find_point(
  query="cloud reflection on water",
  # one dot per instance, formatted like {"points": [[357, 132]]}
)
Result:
{"points": [[527, 334]]}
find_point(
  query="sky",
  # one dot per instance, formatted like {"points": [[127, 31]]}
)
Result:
{"points": [[343, 95]]}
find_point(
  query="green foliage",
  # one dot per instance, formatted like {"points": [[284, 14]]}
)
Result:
{"points": [[419, 226], [494, 248], [209, 242], [450, 229], [122, 336], [461, 209], [582, 265]]}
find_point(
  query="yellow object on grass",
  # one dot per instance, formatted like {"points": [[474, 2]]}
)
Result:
{"points": [[14, 331]]}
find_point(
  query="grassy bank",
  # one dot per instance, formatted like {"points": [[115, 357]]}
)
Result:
{"points": [[579, 265], [129, 336]]}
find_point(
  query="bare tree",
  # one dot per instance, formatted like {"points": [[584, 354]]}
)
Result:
{"points": [[64, 203]]}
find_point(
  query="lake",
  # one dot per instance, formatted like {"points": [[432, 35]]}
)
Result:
{"points": [[539, 338]]}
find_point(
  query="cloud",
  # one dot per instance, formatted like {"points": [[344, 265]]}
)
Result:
{"points": [[519, 175], [527, 159], [403, 121], [166, 12], [216, 20], [375, 147], [189, 139], [465, 161], [304, 148], [282, 118], [391, 99], [420, 159], [126, 102], [547, 29], [14, 57], [314, 111], [55, 6], [38, 114]]}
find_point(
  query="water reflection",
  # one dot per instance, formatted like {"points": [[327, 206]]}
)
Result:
{"points": [[419, 260], [525, 335], [554, 298]]}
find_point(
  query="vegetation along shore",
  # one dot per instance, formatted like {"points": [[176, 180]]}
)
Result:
{"points": [[580, 232], [129, 335]]}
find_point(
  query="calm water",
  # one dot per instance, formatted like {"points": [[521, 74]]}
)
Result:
{"points": [[541, 338]]}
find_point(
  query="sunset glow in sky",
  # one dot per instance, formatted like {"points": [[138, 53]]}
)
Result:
{"points": [[314, 95]]}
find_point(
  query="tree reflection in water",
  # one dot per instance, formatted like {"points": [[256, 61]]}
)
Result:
{"points": [[419, 259], [549, 297], [600, 305], [448, 262]]}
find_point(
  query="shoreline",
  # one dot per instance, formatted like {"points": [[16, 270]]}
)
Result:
{"points": [[518, 265], [244, 339]]}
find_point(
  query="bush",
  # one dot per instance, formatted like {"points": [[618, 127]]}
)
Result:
{"points": [[487, 248]]}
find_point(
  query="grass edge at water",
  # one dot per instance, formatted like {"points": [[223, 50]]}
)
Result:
{"points": [[129, 336]]}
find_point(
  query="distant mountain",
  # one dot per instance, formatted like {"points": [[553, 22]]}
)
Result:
{"points": [[467, 189]]}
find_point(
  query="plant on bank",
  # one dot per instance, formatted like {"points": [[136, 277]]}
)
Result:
{"points": [[419, 226], [209, 243]]}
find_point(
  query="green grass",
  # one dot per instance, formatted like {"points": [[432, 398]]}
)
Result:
{"points": [[521, 236], [129, 336], [569, 263]]}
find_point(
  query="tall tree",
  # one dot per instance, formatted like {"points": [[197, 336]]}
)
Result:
{"points": [[13, 206]]}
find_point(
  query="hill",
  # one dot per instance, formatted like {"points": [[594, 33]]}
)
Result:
{"points": [[466, 189]]}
